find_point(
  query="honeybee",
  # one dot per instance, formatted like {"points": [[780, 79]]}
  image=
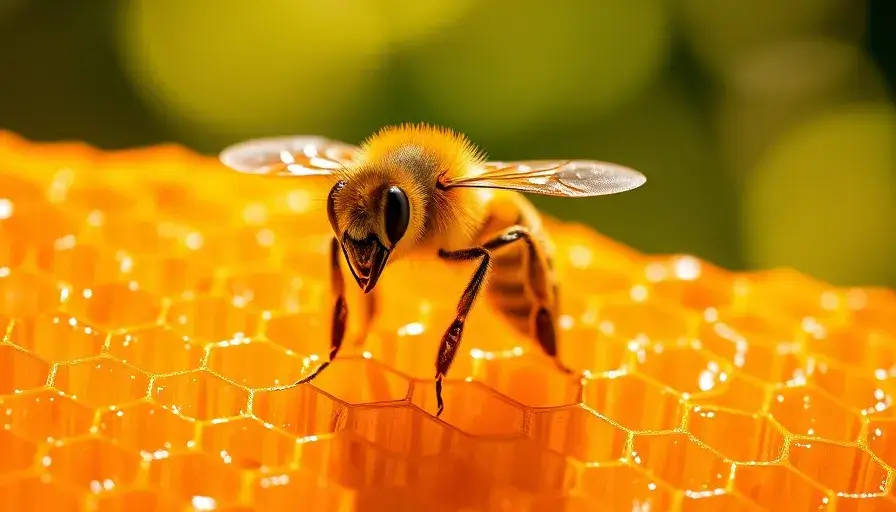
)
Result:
{"points": [[412, 189]]}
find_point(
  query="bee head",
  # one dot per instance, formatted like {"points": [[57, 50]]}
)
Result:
{"points": [[368, 224]]}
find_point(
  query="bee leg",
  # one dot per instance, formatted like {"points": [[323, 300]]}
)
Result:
{"points": [[451, 339], [340, 310], [538, 268]]}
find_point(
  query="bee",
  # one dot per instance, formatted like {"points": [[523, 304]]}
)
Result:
{"points": [[415, 188]]}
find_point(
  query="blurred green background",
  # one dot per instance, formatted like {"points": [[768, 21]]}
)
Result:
{"points": [[766, 127]]}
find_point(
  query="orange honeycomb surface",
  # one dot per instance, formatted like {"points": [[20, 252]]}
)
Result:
{"points": [[156, 311]]}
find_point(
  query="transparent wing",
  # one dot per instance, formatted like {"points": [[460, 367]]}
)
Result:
{"points": [[566, 178], [302, 155]]}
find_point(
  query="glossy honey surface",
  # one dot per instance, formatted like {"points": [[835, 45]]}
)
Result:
{"points": [[157, 309]]}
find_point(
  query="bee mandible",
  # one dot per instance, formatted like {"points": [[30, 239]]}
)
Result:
{"points": [[417, 188]]}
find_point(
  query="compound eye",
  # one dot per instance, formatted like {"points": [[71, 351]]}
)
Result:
{"points": [[398, 214], [331, 205]]}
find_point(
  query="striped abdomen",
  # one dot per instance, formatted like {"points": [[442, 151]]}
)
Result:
{"points": [[521, 278]]}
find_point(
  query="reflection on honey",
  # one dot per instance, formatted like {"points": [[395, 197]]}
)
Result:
{"points": [[156, 309]]}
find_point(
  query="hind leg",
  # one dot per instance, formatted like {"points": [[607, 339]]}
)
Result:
{"points": [[537, 276]]}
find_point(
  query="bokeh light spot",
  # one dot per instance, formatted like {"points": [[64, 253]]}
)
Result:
{"points": [[825, 194]]}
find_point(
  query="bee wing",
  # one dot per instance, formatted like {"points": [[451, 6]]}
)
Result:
{"points": [[301, 155], [565, 178]]}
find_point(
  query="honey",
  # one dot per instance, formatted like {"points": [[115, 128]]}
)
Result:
{"points": [[156, 311]]}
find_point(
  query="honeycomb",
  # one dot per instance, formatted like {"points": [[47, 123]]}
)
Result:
{"points": [[156, 311]]}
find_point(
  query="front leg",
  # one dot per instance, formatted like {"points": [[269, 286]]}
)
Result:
{"points": [[340, 309], [451, 339]]}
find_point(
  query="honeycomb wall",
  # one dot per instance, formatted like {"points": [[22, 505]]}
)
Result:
{"points": [[156, 311]]}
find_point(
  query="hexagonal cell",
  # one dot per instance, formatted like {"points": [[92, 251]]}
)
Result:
{"points": [[79, 263], [779, 488], [620, 487], [451, 481], [843, 469], [156, 350], [147, 427], [600, 353], [135, 236], [171, 275], [755, 355], [396, 498], [300, 410], [12, 248], [188, 476], [634, 403], [45, 415], [684, 369], [57, 338], [882, 439], [361, 381], [99, 199], [101, 382], [404, 430], [255, 364], [793, 294], [283, 492], [756, 438], [530, 379], [676, 459], [869, 395], [26, 295], [20, 218], [142, 500], [115, 306], [200, 395], [805, 411], [352, 462], [248, 443], [523, 464], [764, 324], [18, 452], [244, 245], [566, 503], [624, 317], [580, 312], [860, 348], [579, 433], [471, 407], [410, 343], [211, 319], [20, 371], [37, 494], [872, 308], [93, 463], [739, 392], [273, 291], [305, 333], [713, 502], [689, 281], [863, 503]]}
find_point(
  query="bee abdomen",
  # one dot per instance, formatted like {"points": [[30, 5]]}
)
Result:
{"points": [[508, 294]]}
